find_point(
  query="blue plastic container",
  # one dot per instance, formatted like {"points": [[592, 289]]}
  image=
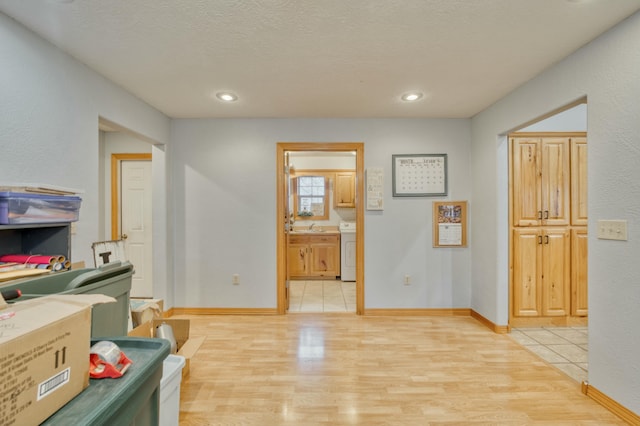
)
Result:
{"points": [[19, 208]]}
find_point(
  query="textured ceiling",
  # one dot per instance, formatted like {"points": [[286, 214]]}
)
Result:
{"points": [[319, 58]]}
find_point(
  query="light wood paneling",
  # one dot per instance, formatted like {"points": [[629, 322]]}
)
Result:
{"points": [[344, 369]]}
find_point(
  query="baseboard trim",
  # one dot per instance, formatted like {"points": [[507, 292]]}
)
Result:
{"points": [[224, 311], [564, 321], [498, 329], [610, 404], [419, 312]]}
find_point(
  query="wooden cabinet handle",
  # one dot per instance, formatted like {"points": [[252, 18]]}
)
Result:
{"points": [[546, 239], [539, 239], [539, 214], [546, 214]]}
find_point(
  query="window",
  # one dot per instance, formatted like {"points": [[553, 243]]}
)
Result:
{"points": [[311, 197]]}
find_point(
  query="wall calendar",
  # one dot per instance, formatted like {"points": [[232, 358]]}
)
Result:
{"points": [[419, 175]]}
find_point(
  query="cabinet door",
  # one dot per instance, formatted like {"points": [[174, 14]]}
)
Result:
{"points": [[323, 260], [526, 272], [579, 253], [555, 181], [526, 194], [579, 181], [556, 264], [345, 189], [297, 259]]}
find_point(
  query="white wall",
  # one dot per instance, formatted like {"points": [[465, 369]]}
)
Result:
{"points": [[606, 71], [571, 120], [49, 109], [225, 193]]}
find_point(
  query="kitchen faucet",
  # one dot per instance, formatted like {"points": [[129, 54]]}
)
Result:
{"points": [[311, 226]]}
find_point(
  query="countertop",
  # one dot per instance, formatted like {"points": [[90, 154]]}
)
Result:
{"points": [[317, 230]]}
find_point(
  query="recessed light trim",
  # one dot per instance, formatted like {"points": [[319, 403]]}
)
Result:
{"points": [[411, 96], [227, 96]]}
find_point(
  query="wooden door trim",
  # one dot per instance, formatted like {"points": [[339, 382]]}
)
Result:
{"points": [[116, 159], [281, 148]]}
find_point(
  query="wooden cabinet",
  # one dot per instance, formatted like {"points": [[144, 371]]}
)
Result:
{"points": [[549, 234], [541, 271], [345, 189], [313, 256], [540, 179]]}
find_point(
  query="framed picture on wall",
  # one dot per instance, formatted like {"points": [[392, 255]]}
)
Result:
{"points": [[419, 175], [450, 224]]}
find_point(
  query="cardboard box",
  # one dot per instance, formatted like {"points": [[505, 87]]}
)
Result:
{"points": [[187, 345], [145, 310], [44, 354]]}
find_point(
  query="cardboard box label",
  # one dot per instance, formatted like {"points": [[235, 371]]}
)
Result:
{"points": [[53, 383]]}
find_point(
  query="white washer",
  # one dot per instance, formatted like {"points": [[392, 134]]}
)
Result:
{"points": [[347, 251]]}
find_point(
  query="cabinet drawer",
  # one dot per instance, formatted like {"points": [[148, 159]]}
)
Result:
{"points": [[298, 239], [324, 239]]}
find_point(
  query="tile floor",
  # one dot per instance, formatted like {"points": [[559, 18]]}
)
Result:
{"points": [[322, 296], [563, 347]]}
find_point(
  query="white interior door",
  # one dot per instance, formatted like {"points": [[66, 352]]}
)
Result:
{"points": [[135, 222]]}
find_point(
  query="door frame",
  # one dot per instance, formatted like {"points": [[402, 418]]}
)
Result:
{"points": [[281, 246], [116, 160]]}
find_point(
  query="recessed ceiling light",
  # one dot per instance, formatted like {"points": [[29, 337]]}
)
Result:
{"points": [[411, 96], [226, 96]]}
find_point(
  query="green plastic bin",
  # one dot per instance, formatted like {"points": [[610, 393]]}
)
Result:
{"points": [[132, 399], [112, 279]]}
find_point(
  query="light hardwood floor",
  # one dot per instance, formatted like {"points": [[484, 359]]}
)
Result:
{"points": [[343, 369]]}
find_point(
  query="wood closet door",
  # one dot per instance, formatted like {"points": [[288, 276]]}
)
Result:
{"points": [[527, 264], [579, 181], [579, 254], [556, 271], [526, 181], [555, 181]]}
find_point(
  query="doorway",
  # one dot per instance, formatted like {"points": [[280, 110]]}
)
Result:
{"points": [[131, 216], [127, 203], [548, 307], [282, 225]]}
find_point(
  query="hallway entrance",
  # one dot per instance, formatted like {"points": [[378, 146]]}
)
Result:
{"points": [[306, 215]]}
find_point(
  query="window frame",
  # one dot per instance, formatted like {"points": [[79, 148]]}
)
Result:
{"points": [[327, 194]]}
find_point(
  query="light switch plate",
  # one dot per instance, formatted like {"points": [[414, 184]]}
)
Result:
{"points": [[612, 230]]}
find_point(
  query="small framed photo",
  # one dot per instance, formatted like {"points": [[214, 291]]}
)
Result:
{"points": [[450, 224], [419, 175]]}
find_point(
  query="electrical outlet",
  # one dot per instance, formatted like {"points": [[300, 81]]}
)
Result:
{"points": [[612, 230], [236, 279], [407, 279]]}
